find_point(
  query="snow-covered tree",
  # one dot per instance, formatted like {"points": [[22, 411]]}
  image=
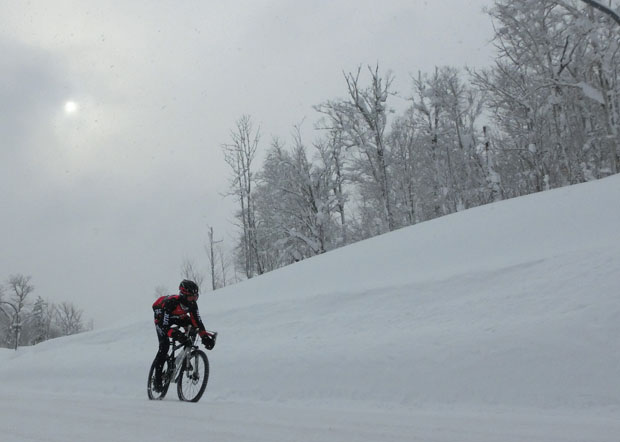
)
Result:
{"points": [[408, 166], [553, 93], [436, 148], [332, 159], [295, 202], [18, 288], [40, 321], [361, 120]]}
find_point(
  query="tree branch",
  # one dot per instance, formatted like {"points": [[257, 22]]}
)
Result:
{"points": [[613, 14]]}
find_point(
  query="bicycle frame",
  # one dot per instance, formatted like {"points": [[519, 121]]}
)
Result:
{"points": [[179, 359]]}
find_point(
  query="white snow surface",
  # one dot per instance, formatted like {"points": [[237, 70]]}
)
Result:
{"points": [[500, 323]]}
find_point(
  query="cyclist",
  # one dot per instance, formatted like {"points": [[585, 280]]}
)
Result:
{"points": [[179, 311]]}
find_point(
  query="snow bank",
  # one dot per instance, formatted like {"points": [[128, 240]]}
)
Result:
{"points": [[509, 306]]}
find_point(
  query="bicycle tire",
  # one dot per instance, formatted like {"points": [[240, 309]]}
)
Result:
{"points": [[166, 375], [192, 384]]}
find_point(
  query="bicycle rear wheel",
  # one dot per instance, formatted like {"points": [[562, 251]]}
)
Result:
{"points": [[166, 373], [193, 377]]}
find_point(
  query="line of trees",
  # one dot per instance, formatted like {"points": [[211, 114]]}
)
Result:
{"points": [[545, 115], [27, 322]]}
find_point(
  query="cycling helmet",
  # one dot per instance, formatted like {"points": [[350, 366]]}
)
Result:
{"points": [[188, 288]]}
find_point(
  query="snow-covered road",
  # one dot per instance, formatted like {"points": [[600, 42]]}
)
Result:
{"points": [[54, 417]]}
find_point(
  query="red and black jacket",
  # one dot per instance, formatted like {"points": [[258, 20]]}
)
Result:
{"points": [[175, 310]]}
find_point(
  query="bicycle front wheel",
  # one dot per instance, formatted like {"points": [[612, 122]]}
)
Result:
{"points": [[193, 377]]}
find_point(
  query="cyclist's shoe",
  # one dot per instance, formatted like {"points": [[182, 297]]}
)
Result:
{"points": [[157, 386]]}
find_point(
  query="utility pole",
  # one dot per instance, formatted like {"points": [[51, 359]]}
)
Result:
{"points": [[212, 257]]}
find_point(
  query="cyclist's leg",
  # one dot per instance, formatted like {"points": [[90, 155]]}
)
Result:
{"points": [[162, 355]]}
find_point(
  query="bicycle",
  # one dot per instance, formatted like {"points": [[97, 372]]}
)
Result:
{"points": [[189, 369]]}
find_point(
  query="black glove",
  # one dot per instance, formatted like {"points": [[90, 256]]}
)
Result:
{"points": [[209, 341]]}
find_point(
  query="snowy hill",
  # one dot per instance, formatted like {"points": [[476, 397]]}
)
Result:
{"points": [[498, 323]]}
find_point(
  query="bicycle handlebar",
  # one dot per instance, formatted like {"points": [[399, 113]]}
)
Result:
{"points": [[190, 332]]}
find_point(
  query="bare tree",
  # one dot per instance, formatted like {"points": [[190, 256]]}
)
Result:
{"points": [[161, 290], [69, 319], [223, 267], [239, 155], [19, 288], [191, 272]]}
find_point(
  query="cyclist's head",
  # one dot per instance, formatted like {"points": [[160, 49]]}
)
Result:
{"points": [[188, 290]]}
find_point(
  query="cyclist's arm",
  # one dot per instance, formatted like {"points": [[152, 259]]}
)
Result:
{"points": [[197, 320]]}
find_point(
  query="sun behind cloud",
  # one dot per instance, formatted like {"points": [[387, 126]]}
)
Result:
{"points": [[71, 107]]}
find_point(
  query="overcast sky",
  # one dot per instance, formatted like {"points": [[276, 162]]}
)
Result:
{"points": [[102, 202]]}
